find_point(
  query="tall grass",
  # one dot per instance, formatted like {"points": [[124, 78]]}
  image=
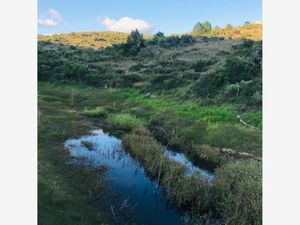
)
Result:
{"points": [[95, 112], [125, 121]]}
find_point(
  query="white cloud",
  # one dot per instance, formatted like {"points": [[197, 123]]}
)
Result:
{"points": [[125, 24], [52, 19], [47, 23]]}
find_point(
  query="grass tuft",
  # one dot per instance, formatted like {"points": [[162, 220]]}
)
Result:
{"points": [[96, 112], [125, 121]]}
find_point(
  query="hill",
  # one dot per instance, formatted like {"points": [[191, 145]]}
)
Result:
{"points": [[199, 95], [252, 31], [87, 39], [105, 39], [209, 68]]}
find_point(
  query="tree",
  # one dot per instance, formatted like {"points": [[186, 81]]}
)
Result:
{"points": [[159, 35], [135, 42], [201, 28]]}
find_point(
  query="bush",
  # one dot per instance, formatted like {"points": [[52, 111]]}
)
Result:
{"points": [[125, 121], [208, 84], [135, 42], [238, 193], [235, 137], [194, 133], [202, 28], [202, 64], [238, 68], [96, 112]]}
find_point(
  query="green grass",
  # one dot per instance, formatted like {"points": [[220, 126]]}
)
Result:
{"points": [[128, 109], [95, 112], [238, 192], [66, 193], [125, 121]]}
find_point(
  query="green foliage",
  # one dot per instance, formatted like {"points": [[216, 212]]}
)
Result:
{"points": [[238, 192], [202, 28], [158, 37], [96, 112], [65, 192], [208, 84], [195, 133], [235, 137], [197, 72], [202, 64], [188, 122], [238, 68], [125, 121], [247, 31], [135, 42], [171, 41]]}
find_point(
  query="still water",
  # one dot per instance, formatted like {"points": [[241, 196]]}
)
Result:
{"points": [[133, 196]]}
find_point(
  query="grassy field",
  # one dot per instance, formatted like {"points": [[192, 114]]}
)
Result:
{"points": [[65, 194], [68, 110]]}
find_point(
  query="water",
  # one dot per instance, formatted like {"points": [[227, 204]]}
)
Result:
{"points": [[191, 169], [133, 196]]}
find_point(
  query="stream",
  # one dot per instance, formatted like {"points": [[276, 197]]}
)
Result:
{"points": [[132, 196]]}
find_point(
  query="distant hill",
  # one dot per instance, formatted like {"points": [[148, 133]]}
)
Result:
{"points": [[105, 39], [252, 31], [87, 39]]}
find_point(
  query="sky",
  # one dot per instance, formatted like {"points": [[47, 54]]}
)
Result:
{"points": [[149, 16]]}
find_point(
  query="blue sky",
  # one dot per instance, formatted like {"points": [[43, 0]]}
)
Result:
{"points": [[168, 16]]}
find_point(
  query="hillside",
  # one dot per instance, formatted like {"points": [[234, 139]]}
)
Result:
{"points": [[252, 31], [105, 39], [212, 69], [87, 39], [199, 96]]}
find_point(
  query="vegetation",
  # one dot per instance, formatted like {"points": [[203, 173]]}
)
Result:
{"points": [[202, 28], [96, 112], [239, 192], [86, 39], [200, 95], [66, 194], [251, 31], [124, 121]]}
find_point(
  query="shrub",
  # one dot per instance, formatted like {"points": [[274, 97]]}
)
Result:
{"points": [[208, 84], [202, 28], [238, 68], [194, 133], [135, 42], [238, 193], [235, 137], [158, 37], [96, 112], [202, 64], [125, 121]]}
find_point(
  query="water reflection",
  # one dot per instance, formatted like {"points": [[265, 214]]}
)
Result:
{"points": [[134, 198], [190, 168]]}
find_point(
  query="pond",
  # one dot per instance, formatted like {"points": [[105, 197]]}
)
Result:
{"points": [[133, 196]]}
